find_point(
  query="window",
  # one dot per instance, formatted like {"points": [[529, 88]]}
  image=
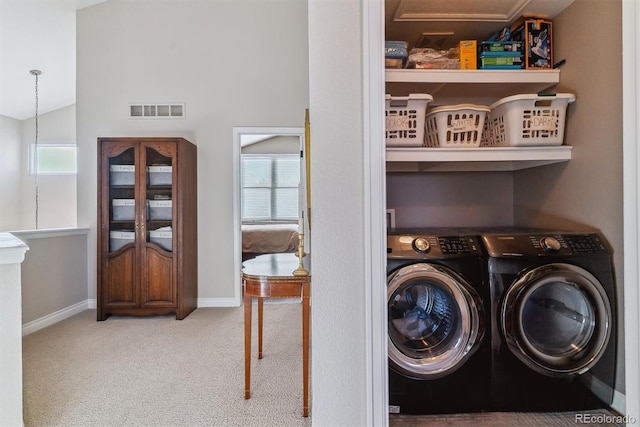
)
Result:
{"points": [[270, 187], [53, 159]]}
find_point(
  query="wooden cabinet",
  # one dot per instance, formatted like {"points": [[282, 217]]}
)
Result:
{"points": [[147, 227]]}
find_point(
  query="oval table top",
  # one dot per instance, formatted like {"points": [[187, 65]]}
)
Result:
{"points": [[272, 265]]}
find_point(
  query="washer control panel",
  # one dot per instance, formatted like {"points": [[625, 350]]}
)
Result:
{"points": [[431, 246], [544, 244]]}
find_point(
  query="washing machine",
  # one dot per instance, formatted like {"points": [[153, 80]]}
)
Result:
{"points": [[437, 296], [553, 315]]}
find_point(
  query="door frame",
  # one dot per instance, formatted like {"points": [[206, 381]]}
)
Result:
{"points": [[631, 208], [373, 84], [238, 132]]}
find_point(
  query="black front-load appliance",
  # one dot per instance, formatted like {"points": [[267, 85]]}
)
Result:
{"points": [[553, 315], [438, 346]]}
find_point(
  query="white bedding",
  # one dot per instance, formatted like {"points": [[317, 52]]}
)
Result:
{"points": [[269, 238]]}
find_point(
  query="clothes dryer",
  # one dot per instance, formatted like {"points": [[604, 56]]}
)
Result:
{"points": [[439, 353], [553, 313]]}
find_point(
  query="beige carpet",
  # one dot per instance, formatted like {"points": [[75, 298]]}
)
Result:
{"points": [[158, 371]]}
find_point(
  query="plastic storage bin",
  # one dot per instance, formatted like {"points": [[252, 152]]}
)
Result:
{"points": [[162, 237], [530, 119], [124, 209], [160, 209], [404, 119], [119, 238], [455, 126], [122, 174], [395, 54], [159, 175]]}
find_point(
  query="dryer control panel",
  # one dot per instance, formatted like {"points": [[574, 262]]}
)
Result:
{"points": [[431, 246], [552, 243]]}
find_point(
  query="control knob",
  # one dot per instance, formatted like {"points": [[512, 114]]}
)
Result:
{"points": [[550, 244], [421, 245]]}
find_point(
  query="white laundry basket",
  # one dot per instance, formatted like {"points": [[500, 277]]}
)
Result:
{"points": [[528, 120], [404, 119], [455, 126]]}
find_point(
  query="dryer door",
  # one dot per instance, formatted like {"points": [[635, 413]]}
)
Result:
{"points": [[557, 319], [436, 321]]}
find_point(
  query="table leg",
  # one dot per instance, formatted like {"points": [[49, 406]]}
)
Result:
{"points": [[260, 307], [305, 348], [247, 345]]}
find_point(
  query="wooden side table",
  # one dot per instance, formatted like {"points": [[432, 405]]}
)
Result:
{"points": [[271, 276]]}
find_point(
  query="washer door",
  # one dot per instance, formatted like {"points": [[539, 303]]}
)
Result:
{"points": [[557, 319], [436, 321]]}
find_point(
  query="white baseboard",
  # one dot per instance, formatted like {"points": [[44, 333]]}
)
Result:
{"points": [[218, 302], [50, 319], [91, 304]]}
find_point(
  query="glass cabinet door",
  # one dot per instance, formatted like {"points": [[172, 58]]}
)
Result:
{"points": [[159, 197], [122, 200]]}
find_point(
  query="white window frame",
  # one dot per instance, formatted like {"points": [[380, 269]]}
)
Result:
{"points": [[32, 159], [273, 161]]}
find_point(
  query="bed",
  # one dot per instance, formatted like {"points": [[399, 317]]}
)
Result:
{"points": [[258, 239]]}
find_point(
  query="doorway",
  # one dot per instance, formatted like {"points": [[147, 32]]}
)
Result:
{"points": [[268, 203]]}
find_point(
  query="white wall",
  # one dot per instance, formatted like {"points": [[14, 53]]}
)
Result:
{"points": [[586, 192], [221, 58], [451, 200], [12, 253], [57, 197], [56, 194], [54, 276], [339, 303], [11, 163]]}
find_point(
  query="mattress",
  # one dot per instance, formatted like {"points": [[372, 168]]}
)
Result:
{"points": [[269, 238]]}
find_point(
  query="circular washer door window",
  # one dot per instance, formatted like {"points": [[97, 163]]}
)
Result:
{"points": [[557, 319], [435, 320]]}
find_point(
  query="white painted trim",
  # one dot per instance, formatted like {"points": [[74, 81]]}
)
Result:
{"points": [[12, 249], [58, 316], [90, 304], [218, 302], [50, 233], [237, 218], [375, 212], [631, 161], [237, 209]]}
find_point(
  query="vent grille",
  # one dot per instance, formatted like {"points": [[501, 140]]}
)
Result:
{"points": [[156, 111]]}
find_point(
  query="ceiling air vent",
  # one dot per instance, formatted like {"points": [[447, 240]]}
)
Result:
{"points": [[156, 111]]}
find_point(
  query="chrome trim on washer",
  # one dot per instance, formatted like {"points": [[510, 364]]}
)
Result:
{"points": [[431, 362], [587, 319]]}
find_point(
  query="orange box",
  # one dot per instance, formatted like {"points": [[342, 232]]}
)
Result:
{"points": [[537, 35], [468, 51]]}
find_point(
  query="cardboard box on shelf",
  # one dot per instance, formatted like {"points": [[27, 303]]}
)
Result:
{"points": [[468, 54], [537, 35]]}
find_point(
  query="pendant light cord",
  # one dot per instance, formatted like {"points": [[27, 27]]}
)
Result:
{"points": [[35, 151]]}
